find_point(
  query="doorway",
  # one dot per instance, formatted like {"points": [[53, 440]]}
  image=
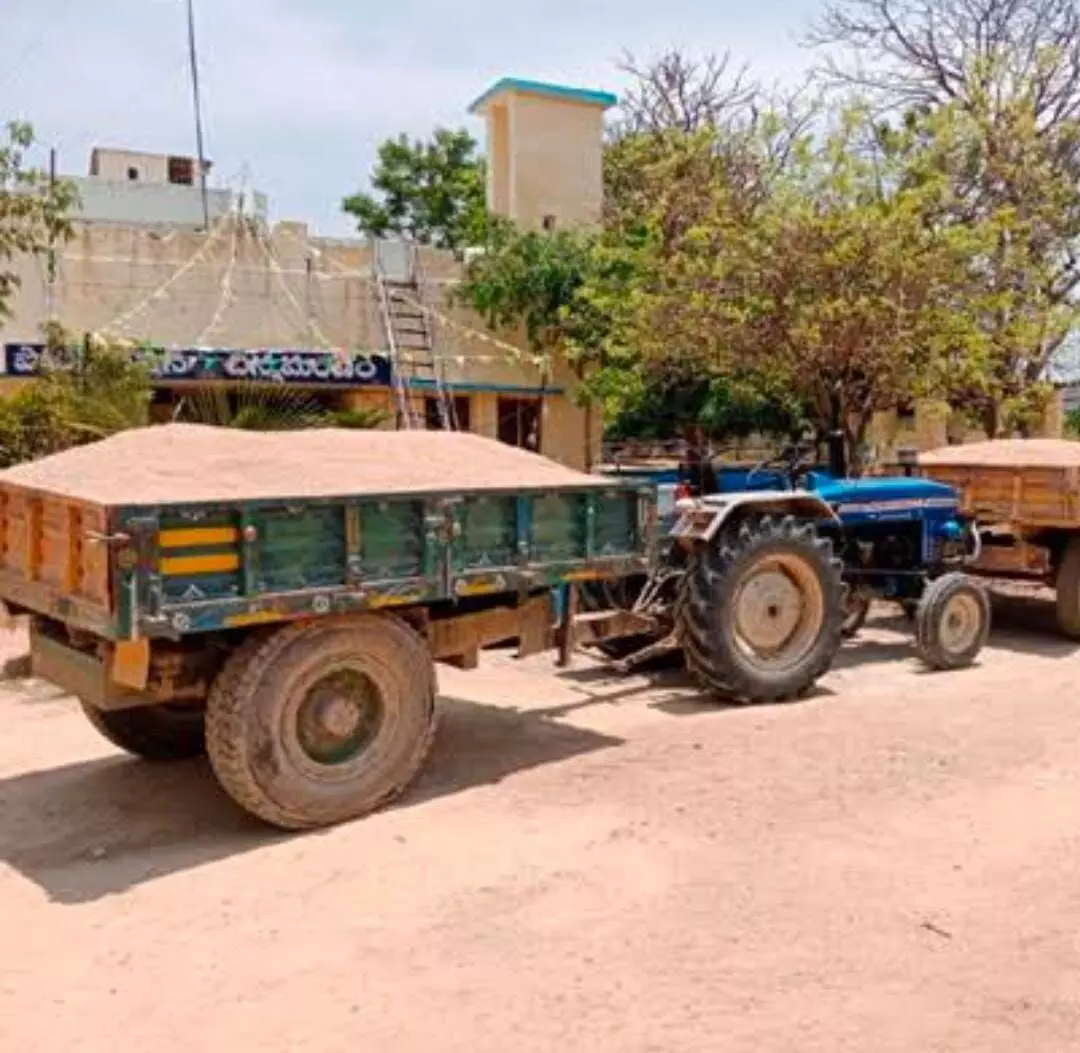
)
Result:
{"points": [[461, 406], [519, 422]]}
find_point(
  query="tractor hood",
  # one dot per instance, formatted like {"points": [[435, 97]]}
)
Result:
{"points": [[856, 494]]}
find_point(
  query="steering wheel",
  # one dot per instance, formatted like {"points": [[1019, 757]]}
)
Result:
{"points": [[793, 460]]}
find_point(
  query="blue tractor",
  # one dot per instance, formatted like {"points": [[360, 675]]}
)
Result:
{"points": [[756, 583], [900, 539]]}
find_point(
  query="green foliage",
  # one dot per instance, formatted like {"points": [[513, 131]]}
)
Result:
{"points": [[995, 86], [430, 192], [360, 418], [532, 280], [259, 407], [1015, 194], [759, 260], [726, 407], [33, 213], [102, 392]]}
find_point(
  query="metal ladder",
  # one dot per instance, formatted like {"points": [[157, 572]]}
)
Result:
{"points": [[409, 335]]}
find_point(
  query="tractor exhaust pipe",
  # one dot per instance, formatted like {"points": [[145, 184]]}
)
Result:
{"points": [[837, 454], [838, 466]]}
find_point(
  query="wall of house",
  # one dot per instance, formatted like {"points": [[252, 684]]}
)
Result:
{"points": [[120, 201], [236, 287]]}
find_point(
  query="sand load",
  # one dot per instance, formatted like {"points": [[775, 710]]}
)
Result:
{"points": [[177, 463]]}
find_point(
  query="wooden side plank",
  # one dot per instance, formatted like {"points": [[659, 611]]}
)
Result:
{"points": [[1046, 496]]}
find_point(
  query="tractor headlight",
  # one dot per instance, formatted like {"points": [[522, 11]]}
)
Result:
{"points": [[952, 530]]}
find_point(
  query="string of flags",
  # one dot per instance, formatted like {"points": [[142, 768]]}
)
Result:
{"points": [[119, 328], [120, 325]]}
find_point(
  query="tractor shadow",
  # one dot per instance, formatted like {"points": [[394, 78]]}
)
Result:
{"points": [[99, 827], [669, 687], [1022, 624]]}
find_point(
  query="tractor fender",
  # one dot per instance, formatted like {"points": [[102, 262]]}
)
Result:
{"points": [[701, 519]]}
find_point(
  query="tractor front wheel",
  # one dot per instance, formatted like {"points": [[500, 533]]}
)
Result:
{"points": [[952, 622], [762, 611]]}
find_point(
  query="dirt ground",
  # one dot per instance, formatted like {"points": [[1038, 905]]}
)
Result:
{"points": [[589, 863]]}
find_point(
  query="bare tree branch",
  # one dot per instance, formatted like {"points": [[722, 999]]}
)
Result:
{"points": [[675, 92], [937, 51]]}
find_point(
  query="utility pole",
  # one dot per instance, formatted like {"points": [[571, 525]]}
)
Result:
{"points": [[197, 104], [50, 287]]}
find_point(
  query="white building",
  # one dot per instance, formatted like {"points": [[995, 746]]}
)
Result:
{"points": [[133, 187]]}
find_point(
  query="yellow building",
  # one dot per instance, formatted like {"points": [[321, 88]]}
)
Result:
{"points": [[350, 322]]}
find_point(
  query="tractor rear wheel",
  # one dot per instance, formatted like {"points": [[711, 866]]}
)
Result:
{"points": [[952, 622], [322, 721], [762, 611]]}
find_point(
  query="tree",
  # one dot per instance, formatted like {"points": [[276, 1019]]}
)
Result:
{"points": [[915, 54], [834, 287], [673, 92], [430, 192], [1020, 295], [995, 86], [726, 406], [33, 210], [531, 279]]}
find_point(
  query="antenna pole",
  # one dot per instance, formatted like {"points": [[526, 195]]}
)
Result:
{"points": [[50, 288], [197, 104]]}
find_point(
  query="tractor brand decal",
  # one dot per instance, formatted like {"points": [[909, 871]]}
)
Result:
{"points": [[261, 365], [907, 505]]}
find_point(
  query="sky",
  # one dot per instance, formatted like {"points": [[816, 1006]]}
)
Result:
{"points": [[301, 92]]}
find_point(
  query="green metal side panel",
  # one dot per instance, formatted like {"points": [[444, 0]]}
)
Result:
{"points": [[558, 528], [203, 568], [615, 524], [299, 548], [488, 535], [191, 583], [393, 540]]}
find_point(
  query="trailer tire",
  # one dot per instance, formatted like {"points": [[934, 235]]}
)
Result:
{"points": [[952, 622], [161, 732], [323, 721], [1067, 584], [718, 623]]}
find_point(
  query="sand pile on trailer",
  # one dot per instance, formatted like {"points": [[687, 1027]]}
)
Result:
{"points": [[177, 463], [1006, 453]]}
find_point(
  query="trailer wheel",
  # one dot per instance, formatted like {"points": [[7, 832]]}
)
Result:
{"points": [[952, 622], [1067, 584], [762, 611], [159, 733], [324, 721]]}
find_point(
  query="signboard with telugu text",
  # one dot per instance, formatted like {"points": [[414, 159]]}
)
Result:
{"points": [[268, 365]]}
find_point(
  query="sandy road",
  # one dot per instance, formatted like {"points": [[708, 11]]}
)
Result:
{"points": [[588, 864]]}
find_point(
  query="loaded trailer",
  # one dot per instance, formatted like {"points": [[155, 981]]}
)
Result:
{"points": [[280, 600], [1024, 496]]}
